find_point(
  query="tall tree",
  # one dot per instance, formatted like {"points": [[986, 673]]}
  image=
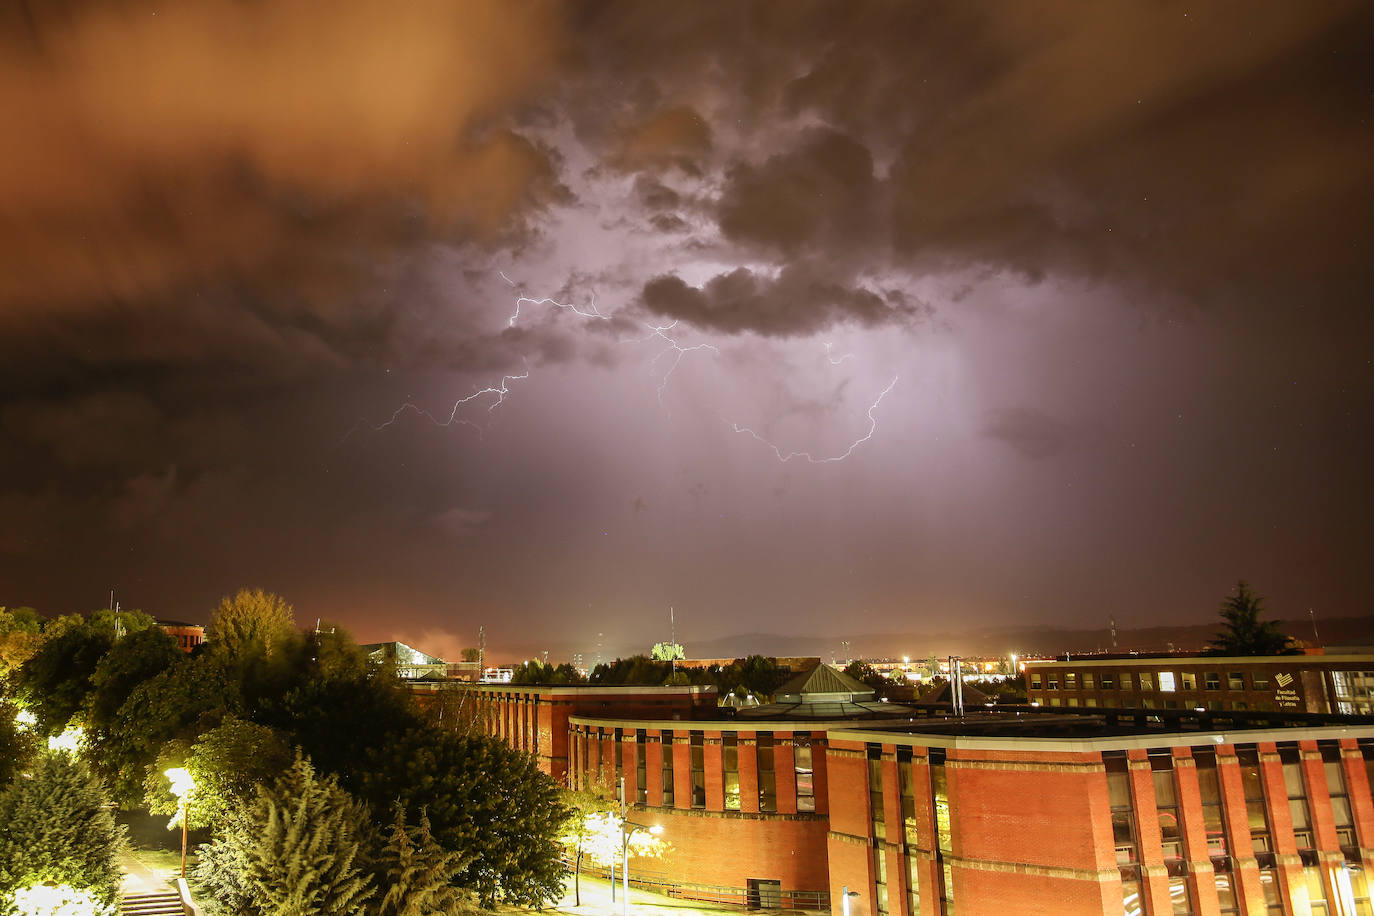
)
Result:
{"points": [[251, 623], [485, 800], [185, 700], [56, 828], [1245, 633], [302, 849]]}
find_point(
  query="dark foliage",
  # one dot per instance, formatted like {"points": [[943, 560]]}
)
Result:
{"points": [[1245, 633]]}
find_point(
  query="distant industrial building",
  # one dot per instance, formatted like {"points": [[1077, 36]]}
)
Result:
{"points": [[411, 664], [1322, 683], [830, 799]]}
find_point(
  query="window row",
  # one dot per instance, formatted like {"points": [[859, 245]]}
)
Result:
{"points": [[1148, 681]]}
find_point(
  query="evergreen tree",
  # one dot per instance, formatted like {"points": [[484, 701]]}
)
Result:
{"points": [[1245, 633], [56, 827], [484, 800], [416, 872], [302, 849]]}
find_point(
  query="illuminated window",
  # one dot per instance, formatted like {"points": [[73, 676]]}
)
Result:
{"points": [[1070, 681], [768, 778], [1035, 680], [1166, 681], [875, 791], [906, 778], [1052, 682], [730, 745], [666, 740], [1087, 680], [641, 769], [1189, 680], [1147, 680], [1260, 680], [1298, 807], [1124, 832], [1340, 801], [806, 786], [698, 760], [1211, 681], [1108, 681], [1235, 680]]}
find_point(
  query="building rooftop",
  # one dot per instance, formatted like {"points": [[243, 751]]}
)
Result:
{"points": [[1038, 722]]}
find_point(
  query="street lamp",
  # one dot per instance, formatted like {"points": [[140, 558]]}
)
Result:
{"points": [[629, 830], [182, 787]]}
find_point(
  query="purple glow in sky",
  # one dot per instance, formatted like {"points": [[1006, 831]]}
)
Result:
{"points": [[549, 316]]}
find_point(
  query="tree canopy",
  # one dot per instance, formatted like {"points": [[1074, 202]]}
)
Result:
{"points": [[56, 828], [1245, 634]]}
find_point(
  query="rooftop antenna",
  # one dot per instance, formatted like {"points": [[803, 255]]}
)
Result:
{"points": [[481, 652], [672, 640], [1113, 620], [1316, 640]]}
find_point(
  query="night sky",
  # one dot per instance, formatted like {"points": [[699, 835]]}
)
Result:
{"points": [[839, 317]]}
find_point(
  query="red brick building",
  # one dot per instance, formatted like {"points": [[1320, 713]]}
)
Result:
{"points": [[1070, 815], [827, 795], [1341, 684], [187, 635]]}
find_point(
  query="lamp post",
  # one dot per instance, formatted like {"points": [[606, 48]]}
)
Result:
{"points": [[182, 787], [627, 830]]}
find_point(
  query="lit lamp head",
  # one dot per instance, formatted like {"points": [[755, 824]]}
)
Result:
{"points": [[656, 829], [182, 783]]}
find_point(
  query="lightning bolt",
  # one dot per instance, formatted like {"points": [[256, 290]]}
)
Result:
{"points": [[526, 300], [833, 360], [660, 332], [678, 351], [499, 391], [812, 459]]}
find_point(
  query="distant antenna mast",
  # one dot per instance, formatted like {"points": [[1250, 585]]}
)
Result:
{"points": [[1316, 640], [1113, 620], [481, 652], [672, 640]]}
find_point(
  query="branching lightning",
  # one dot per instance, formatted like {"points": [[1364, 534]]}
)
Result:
{"points": [[678, 351], [497, 393], [524, 300], [812, 459], [834, 361]]}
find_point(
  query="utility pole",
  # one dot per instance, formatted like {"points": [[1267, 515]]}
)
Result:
{"points": [[1316, 640]]}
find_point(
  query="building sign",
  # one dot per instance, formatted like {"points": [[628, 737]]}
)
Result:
{"points": [[1285, 696]]}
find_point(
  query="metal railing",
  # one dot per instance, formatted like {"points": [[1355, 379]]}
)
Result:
{"points": [[764, 898]]}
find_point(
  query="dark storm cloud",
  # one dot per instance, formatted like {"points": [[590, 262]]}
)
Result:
{"points": [[820, 195], [801, 300], [151, 149], [1157, 146]]}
